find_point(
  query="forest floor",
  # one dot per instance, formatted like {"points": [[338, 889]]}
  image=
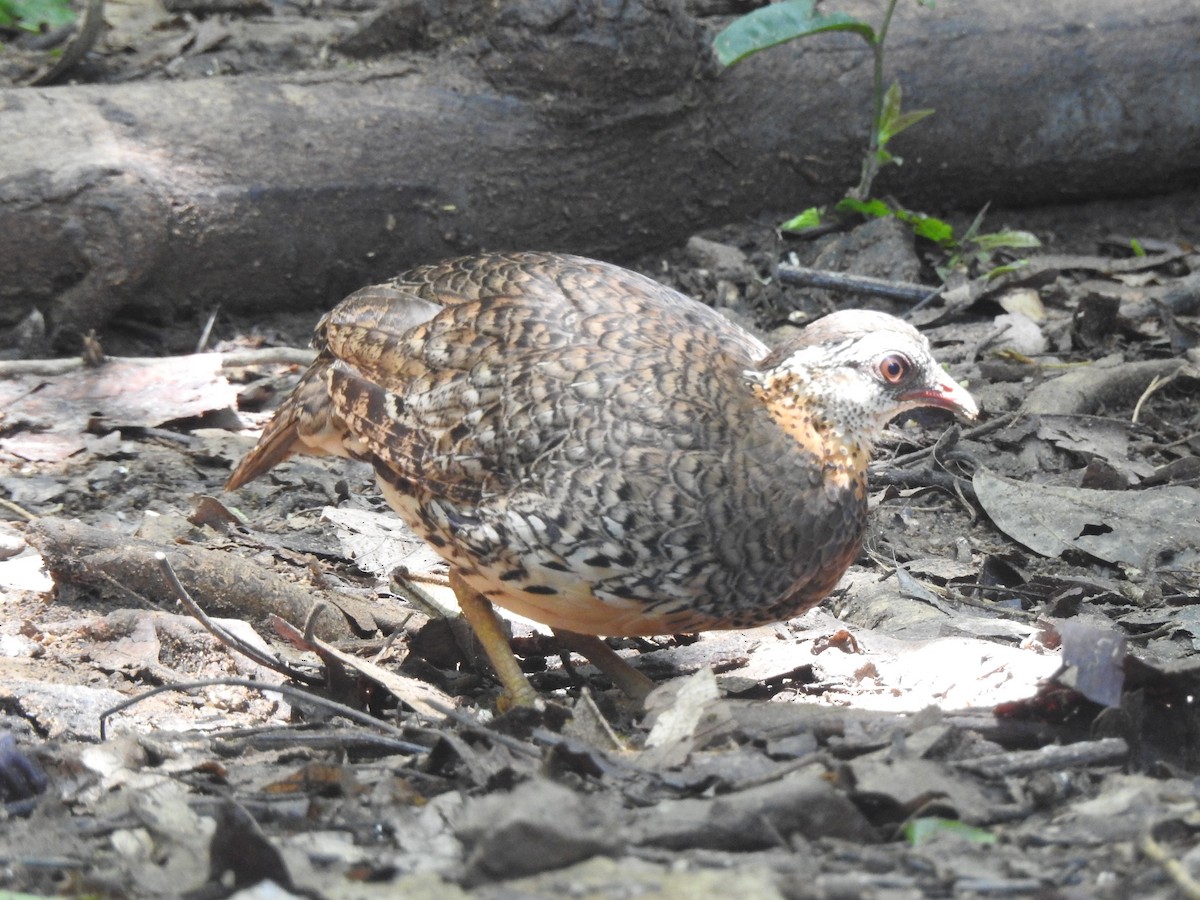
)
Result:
{"points": [[997, 700]]}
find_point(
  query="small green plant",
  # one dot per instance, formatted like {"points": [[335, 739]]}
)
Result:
{"points": [[973, 251], [779, 23], [976, 250], [35, 15]]}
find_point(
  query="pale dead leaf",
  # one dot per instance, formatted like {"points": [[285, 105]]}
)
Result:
{"points": [[380, 543], [1025, 301], [679, 706], [49, 415]]}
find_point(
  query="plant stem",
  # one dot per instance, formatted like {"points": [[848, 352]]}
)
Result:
{"points": [[870, 166]]}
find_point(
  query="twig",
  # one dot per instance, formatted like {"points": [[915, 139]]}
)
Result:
{"points": [[925, 478], [229, 639], [405, 584], [310, 621], [1158, 381], [288, 356], [89, 27], [928, 299], [1101, 264], [904, 291], [471, 724], [993, 334], [1022, 762], [1003, 612], [978, 431], [1177, 872], [17, 509], [206, 332], [340, 738], [287, 690]]}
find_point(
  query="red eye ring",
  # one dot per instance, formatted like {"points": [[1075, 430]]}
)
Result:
{"points": [[895, 368]]}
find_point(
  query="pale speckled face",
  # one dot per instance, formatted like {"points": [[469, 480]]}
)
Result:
{"points": [[855, 370]]}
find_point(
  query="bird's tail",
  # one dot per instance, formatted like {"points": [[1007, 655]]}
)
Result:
{"points": [[304, 423]]}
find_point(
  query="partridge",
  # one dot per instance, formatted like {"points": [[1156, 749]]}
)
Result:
{"points": [[602, 454]]}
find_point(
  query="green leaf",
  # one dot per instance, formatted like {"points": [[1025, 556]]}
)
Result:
{"points": [[891, 120], [872, 209], [778, 23], [907, 120], [927, 226], [36, 15], [1006, 269], [998, 240], [810, 218], [976, 224], [1136, 246], [921, 831], [932, 229], [891, 105]]}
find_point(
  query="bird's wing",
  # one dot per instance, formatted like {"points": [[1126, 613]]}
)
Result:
{"points": [[306, 422], [508, 350], [562, 362]]}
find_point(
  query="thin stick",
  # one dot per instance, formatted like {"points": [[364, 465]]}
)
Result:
{"points": [[904, 291], [228, 638], [287, 690], [978, 431], [206, 332], [1158, 381], [1178, 873]]}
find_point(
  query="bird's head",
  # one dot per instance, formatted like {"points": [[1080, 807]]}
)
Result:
{"points": [[847, 375]]}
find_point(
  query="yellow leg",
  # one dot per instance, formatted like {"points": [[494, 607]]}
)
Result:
{"points": [[632, 682], [482, 619]]}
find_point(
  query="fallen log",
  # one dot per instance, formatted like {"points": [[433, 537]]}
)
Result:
{"points": [[607, 131]]}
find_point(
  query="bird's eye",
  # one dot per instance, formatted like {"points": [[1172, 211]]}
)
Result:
{"points": [[895, 368]]}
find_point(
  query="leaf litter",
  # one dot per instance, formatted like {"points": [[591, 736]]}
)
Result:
{"points": [[997, 699]]}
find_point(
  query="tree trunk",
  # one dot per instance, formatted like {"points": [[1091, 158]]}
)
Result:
{"points": [[597, 128]]}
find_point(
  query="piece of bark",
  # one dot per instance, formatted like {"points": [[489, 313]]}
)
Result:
{"points": [[222, 583], [603, 129]]}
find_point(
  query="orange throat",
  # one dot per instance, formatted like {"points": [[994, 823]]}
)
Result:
{"points": [[843, 456]]}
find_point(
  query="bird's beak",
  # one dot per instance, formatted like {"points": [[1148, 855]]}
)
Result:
{"points": [[946, 393]]}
